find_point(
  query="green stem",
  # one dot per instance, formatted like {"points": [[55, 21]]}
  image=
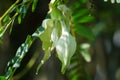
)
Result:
{"points": [[3, 29], [28, 42], [7, 12]]}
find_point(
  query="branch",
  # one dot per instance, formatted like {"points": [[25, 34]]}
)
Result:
{"points": [[9, 10], [21, 52]]}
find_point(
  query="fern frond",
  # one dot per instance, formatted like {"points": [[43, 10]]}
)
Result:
{"points": [[76, 70], [80, 18]]}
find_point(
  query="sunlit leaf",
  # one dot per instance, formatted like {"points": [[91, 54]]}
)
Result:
{"points": [[56, 33], [66, 13], [46, 36], [14, 9], [52, 1], [55, 13], [12, 25], [16, 64], [65, 47], [84, 50], [1, 31]]}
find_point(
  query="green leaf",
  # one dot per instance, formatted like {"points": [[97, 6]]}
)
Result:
{"points": [[34, 5], [65, 47], [66, 13], [79, 13], [6, 19], [56, 33], [73, 72], [84, 50], [45, 37], [76, 77], [2, 78], [84, 19], [1, 32], [45, 58], [85, 32], [19, 19], [75, 6], [12, 25]]}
